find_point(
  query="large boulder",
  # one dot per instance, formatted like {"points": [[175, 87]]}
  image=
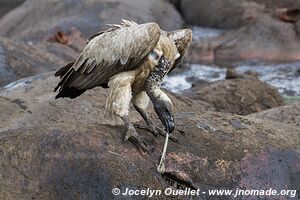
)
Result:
{"points": [[217, 13], [61, 149], [238, 95], [36, 19], [18, 60], [258, 30], [291, 4], [289, 114], [226, 13], [262, 37]]}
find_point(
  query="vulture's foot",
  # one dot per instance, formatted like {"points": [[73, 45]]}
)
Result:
{"points": [[133, 137], [151, 128], [157, 131]]}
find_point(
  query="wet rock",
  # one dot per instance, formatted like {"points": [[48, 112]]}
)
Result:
{"points": [[231, 73], [18, 60], [36, 19], [61, 149], [241, 96], [289, 114]]}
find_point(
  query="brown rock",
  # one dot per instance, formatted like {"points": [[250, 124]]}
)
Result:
{"points": [[18, 60], [62, 150], [218, 13], [73, 38], [264, 37], [238, 96], [36, 19], [227, 14], [278, 3], [289, 114]]}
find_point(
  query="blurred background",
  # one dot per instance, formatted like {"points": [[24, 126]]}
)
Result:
{"points": [[258, 37]]}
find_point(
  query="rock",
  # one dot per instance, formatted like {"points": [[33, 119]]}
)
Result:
{"points": [[7, 5], [218, 13], [238, 96], [264, 37], [256, 30], [36, 19], [278, 3], [18, 60], [288, 114], [31, 95], [62, 150], [234, 96], [231, 73], [73, 39], [228, 14]]}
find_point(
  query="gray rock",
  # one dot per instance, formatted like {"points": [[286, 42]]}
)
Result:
{"points": [[289, 114], [36, 19], [18, 60]]}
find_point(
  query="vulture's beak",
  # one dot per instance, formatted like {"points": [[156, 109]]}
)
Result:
{"points": [[165, 116]]}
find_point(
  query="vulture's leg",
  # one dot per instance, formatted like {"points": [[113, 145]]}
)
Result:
{"points": [[132, 135], [118, 105], [140, 102]]}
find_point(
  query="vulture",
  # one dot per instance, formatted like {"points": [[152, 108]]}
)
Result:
{"points": [[131, 60]]}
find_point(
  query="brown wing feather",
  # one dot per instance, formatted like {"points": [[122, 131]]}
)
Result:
{"points": [[111, 52], [182, 39]]}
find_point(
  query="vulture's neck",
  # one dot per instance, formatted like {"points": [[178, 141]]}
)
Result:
{"points": [[156, 77]]}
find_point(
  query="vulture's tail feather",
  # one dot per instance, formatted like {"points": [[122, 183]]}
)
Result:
{"points": [[69, 92], [67, 74], [62, 71]]}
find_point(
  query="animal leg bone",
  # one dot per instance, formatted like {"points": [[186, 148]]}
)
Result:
{"points": [[161, 167]]}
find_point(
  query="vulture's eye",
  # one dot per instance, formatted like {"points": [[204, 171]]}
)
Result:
{"points": [[154, 55]]}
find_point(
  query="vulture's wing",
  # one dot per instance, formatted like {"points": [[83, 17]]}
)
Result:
{"points": [[119, 49], [182, 39]]}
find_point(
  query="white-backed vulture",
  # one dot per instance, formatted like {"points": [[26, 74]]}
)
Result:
{"points": [[131, 60]]}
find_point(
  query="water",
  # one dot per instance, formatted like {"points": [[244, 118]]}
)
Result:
{"points": [[180, 82], [200, 33], [285, 77]]}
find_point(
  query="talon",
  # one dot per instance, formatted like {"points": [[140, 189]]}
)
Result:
{"points": [[151, 129], [133, 137], [175, 139]]}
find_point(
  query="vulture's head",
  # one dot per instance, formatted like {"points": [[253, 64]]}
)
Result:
{"points": [[164, 109]]}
